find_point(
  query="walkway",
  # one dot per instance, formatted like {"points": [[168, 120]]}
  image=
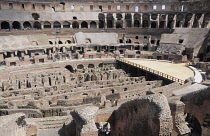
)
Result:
{"points": [[175, 72]]}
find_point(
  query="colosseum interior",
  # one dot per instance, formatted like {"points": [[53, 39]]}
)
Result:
{"points": [[104, 67]]}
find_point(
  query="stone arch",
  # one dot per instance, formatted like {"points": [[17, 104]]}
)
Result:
{"points": [[68, 42], [101, 24], [179, 19], [187, 19], [26, 24], [5, 25], [162, 24], [109, 24], [56, 24], [119, 24], [93, 78], [148, 115], [136, 23], [154, 16], [110, 21], [80, 66], [66, 24], [75, 24], [145, 24], [91, 66], [93, 24], [128, 18], [153, 25], [37, 25], [84, 24], [137, 16], [47, 24], [16, 25], [70, 68], [101, 65], [197, 17], [207, 19]]}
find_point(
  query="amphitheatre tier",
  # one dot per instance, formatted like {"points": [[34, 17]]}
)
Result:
{"points": [[180, 70]]}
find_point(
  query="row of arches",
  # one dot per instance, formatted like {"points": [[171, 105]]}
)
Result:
{"points": [[47, 24], [81, 66], [146, 21]]}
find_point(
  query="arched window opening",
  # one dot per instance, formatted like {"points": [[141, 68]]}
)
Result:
{"points": [[66, 24], [109, 24], [68, 41], [170, 24], [93, 24], [50, 42], [37, 25], [84, 24], [145, 24], [80, 66], [100, 65], [119, 24], [153, 25], [16, 25], [60, 42], [162, 24], [136, 23], [5, 25], [101, 24], [70, 68], [91, 66], [75, 24], [57, 24], [47, 25], [26, 24]]}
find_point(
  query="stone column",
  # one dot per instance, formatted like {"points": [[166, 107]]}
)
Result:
{"points": [[132, 20]]}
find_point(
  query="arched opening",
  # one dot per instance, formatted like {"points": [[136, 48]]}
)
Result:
{"points": [[197, 17], [119, 24], [194, 125], [93, 24], [50, 42], [145, 24], [16, 25], [120, 40], [128, 19], [68, 41], [35, 16], [37, 25], [70, 68], [128, 41], [66, 24], [101, 24], [56, 24], [170, 24], [162, 24], [179, 20], [136, 23], [110, 19], [80, 66], [109, 24], [187, 20], [5, 25], [60, 42], [26, 24], [75, 24], [100, 65], [207, 20], [84, 24], [47, 24], [91, 66], [154, 16], [153, 25]]}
